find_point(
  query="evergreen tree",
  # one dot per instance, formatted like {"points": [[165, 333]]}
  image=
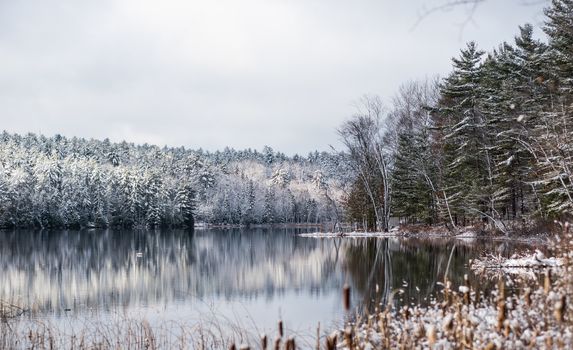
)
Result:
{"points": [[412, 193], [553, 134], [185, 201], [269, 214], [559, 29], [465, 145]]}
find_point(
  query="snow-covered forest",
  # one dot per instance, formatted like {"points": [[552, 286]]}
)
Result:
{"points": [[72, 182], [490, 143]]}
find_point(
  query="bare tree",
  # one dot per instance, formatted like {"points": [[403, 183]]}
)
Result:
{"points": [[469, 5], [362, 136]]}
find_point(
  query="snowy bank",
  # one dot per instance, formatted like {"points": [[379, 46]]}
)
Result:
{"points": [[353, 234], [526, 265]]}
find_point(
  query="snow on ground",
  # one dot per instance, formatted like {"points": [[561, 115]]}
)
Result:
{"points": [[406, 231], [527, 265], [353, 234]]}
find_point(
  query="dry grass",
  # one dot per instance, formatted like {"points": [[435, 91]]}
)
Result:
{"points": [[126, 334], [537, 315], [214, 332]]}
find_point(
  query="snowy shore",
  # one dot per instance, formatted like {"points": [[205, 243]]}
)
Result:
{"points": [[465, 234], [526, 265]]}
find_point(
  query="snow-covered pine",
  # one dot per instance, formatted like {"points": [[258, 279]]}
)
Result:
{"points": [[62, 182], [496, 148]]}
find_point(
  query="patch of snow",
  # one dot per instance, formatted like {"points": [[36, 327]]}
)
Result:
{"points": [[353, 234], [524, 265]]}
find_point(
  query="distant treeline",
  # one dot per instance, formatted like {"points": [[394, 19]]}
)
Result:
{"points": [[491, 143], [72, 182]]}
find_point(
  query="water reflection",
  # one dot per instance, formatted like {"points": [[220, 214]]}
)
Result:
{"points": [[416, 267], [94, 269]]}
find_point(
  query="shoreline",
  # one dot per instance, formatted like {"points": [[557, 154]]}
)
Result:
{"points": [[539, 238]]}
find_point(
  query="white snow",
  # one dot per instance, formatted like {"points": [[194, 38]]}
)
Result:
{"points": [[524, 265], [353, 234]]}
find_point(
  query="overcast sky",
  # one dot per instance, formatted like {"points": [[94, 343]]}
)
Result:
{"points": [[216, 73]]}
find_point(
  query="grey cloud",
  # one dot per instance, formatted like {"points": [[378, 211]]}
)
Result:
{"points": [[212, 74]]}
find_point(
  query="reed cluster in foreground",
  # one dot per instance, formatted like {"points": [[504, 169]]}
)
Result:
{"points": [[24, 331], [534, 315]]}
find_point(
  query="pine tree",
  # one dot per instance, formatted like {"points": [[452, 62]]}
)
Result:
{"points": [[413, 196], [559, 29], [5, 200], [269, 213], [249, 215], [513, 106], [465, 146], [185, 201], [553, 133]]}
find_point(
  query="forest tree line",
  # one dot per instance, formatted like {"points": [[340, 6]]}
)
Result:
{"points": [[49, 182], [490, 143]]}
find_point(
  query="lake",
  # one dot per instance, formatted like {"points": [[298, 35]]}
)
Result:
{"points": [[246, 278]]}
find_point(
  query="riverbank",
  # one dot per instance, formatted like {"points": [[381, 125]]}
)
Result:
{"points": [[438, 232], [206, 226]]}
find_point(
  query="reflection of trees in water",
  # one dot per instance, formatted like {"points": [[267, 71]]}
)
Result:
{"points": [[366, 262], [100, 268], [66, 268], [415, 266]]}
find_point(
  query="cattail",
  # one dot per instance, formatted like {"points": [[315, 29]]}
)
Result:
{"points": [[500, 314], [290, 345], [264, 342], [331, 341], [232, 347], [458, 313], [448, 323], [406, 312], [318, 336], [467, 289], [278, 343], [419, 331], [501, 290], [527, 296], [559, 309], [466, 293], [447, 293], [533, 340], [281, 330], [469, 335], [348, 337], [346, 297], [547, 282], [506, 328], [431, 334]]}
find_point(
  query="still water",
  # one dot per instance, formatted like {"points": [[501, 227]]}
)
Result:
{"points": [[247, 278]]}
